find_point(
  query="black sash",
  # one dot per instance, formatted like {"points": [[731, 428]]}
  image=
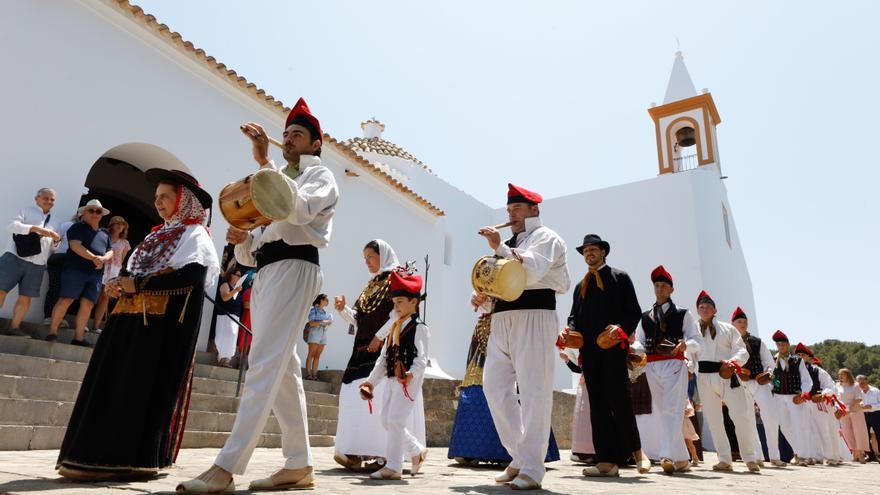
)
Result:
{"points": [[279, 250], [530, 299], [715, 367]]}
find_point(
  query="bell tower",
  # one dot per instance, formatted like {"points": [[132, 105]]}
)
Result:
{"points": [[685, 124]]}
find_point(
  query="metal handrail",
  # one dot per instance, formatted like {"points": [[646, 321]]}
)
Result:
{"points": [[242, 365]]}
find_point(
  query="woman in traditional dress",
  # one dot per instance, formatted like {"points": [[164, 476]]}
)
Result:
{"points": [[230, 306], [131, 411], [474, 437], [360, 436]]}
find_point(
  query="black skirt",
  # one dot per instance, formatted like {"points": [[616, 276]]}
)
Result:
{"points": [[132, 406]]}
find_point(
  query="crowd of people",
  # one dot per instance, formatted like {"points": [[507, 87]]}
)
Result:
{"points": [[78, 255], [643, 376]]}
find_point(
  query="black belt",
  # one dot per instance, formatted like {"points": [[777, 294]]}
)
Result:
{"points": [[715, 367], [279, 250], [530, 299]]}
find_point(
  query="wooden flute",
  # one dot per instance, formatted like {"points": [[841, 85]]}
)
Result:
{"points": [[270, 138]]}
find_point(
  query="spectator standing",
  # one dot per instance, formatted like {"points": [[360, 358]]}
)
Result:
{"points": [[89, 249], [53, 269], [118, 230], [316, 327], [24, 261]]}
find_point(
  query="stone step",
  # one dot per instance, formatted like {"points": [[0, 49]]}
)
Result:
{"points": [[25, 387], [74, 354], [26, 437], [18, 411]]}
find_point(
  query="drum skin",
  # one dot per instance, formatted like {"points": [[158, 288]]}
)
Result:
{"points": [[499, 278], [257, 200]]}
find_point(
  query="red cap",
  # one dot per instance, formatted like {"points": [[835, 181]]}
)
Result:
{"points": [[739, 313], [817, 361], [661, 275], [301, 115], [704, 297], [516, 194], [778, 336], [405, 285], [802, 349]]}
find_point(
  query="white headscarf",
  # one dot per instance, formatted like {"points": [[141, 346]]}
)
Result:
{"points": [[387, 257]]}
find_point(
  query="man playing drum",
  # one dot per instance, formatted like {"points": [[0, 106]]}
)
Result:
{"points": [[521, 350], [287, 281]]}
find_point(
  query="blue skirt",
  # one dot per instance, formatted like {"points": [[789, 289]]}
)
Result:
{"points": [[474, 435]]}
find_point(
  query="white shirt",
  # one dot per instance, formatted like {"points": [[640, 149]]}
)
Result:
{"points": [[726, 346], [315, 197], [542, 252], [806, 381], [871, 402], [21, 224], [826, 383], [380, 370], [689, 327]]}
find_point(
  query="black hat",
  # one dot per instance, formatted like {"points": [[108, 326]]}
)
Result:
{"points": [[155, 175], [593, 239]]}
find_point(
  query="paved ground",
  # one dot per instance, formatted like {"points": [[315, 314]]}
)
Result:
{"points": [[30, 472]]}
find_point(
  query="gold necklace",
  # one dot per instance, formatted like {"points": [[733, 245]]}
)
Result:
{"points": [[374, 293]]}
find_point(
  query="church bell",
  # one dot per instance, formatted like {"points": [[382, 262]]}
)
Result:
{"points": [[685, 137]]}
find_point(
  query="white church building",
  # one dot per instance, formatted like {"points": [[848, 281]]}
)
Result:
{"points": [[120, 93]]}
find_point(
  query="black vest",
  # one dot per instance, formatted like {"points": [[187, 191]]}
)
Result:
{"points": [[814, 375], [754, 364], [405, 351], [671, 321], [787, 382]]}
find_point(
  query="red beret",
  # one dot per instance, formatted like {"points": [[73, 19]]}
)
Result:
{"points": [[704, 297], [405, 285], [301, 115], [739, 313], [516, 194], [661, 275], [778, 336]]}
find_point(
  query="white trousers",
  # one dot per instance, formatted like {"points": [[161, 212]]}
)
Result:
{"points": [[282, 294], [826, 430], [763, 396], [225, 337], [521, 352], [668, 382], [714, 391], [581, 427], [794, 423], [397, 413]]}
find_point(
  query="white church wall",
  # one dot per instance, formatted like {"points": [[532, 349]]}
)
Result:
{"points": [[647, 223], [104, 86]]}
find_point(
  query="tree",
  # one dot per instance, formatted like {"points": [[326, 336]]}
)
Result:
{"points": [[861, 359]]}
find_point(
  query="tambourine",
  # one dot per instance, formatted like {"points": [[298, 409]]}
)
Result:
{"points": [[763, 378]]}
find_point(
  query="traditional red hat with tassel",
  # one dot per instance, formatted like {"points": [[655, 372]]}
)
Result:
{"points": [[301, 115]]}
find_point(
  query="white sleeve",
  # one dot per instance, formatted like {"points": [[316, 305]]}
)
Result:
{"points": [[348, 315], [380, 371], [243, 252], [313, 197], [17, 225], [639, 342], [806, 381], [537, 257], [739, 353], [767, 361], [421, 361], [826, 383], [691, 331], [484, 308]]}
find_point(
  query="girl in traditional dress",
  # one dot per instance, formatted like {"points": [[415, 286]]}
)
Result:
{"points": [[230, 304], [131, 411]]}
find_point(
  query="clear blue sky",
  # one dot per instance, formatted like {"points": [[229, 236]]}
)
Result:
{"points": [[555, 95]]}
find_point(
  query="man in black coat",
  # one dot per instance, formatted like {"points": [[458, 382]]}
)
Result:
{"points": [[604, 298]]}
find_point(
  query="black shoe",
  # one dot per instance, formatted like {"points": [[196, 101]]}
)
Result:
{"points": [[52, 337], [81, 343], [15, 332]]}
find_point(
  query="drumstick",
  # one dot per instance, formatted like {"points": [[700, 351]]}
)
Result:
{"points": [[270, 138]]}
